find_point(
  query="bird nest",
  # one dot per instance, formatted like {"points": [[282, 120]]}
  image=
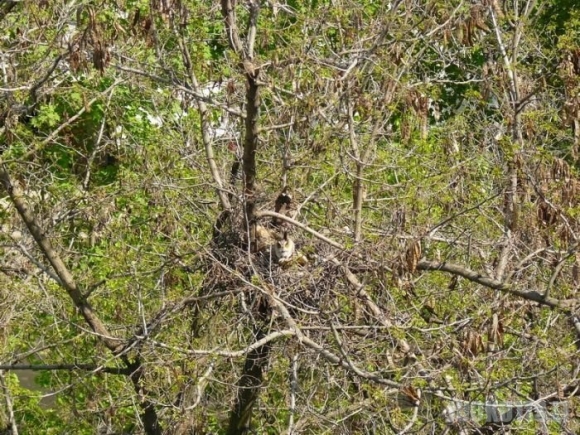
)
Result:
{"points": [[304, 282]]}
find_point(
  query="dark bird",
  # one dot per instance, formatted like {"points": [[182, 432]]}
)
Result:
{"points": [[284, 205]]}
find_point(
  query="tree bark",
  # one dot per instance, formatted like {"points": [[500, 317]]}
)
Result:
{"points": [[249, 386]]}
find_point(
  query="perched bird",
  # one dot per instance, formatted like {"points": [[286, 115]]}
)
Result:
{"points": [[284, 205], [264, 238], [284, 249]]}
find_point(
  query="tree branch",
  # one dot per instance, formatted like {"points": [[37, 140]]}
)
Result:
{"points": [[181, 87], [229, 15], [115, 345], [9, 404], [358, 186], [267, 213], [494, 284], [252, 23], [87, 367], [205, 125], [65, 276]]}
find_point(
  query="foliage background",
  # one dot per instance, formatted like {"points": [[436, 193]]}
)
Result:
{"points": [[432, 151]]}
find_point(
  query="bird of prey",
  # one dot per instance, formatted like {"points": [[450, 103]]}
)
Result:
{"points": [[284, 249], [284, 205]]}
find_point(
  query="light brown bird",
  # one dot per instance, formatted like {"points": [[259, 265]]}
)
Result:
{"points": [[284, 249]]}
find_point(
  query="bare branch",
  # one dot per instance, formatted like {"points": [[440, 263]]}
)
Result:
{"points": [[273, 336], [267, 213], [335, 359], [86, 367], [62, 271], [8, 402], [205, 125], [358, 187], [185, 89], [229, 14], [494, 284], [34, 89], [252, 23], [68, 122]]}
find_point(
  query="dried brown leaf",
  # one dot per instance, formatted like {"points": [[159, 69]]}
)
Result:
{"points": [[413, 255]]}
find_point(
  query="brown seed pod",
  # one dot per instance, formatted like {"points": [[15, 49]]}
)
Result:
{"points": [[495, 332], [413, 255], [547, 215], [560, 169], [472, 343]]}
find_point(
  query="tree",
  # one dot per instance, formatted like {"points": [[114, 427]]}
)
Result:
{"points": [[417, 161]]}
